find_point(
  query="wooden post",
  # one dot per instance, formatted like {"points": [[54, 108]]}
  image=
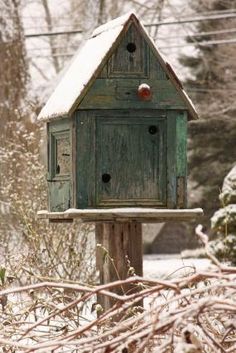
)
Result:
{"points": [[123, 241]]}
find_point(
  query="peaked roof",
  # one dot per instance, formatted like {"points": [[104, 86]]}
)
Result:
{"points": [[88, 63]]}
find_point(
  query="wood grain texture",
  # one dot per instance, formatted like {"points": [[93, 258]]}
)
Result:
{"points": [[59, 195], [119, 143], [181, 159], [124, 72], [125, 63], [59, 156], [134, 158], [123, 243], [74, 162], [145, 215], [171, 159], [110, 93], [181, 143], [85, 162]]}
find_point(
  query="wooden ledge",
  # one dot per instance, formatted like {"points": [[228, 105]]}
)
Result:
{"points": [[143, 215]]}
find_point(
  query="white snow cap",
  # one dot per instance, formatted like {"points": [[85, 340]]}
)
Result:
{"points": [[143, 86], [112, 24], [88, 63], [83, 66]]}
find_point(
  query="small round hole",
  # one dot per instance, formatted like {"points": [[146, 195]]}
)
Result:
{"points": [[106, 178], [152, 129], [131, 47]]}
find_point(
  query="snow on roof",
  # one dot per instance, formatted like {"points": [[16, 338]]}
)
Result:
{"points": [[83, 67], [86, 64], [120, 21]]}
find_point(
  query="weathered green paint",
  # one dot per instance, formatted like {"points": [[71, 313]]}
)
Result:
{"points": [[133, 157], [145, 169], [85, 159], [171, 159], [59, 195], [124, 72], [111, 93], [109, 134], [121, 145], [59, 166], [128, 63], [181, 158], [176, 158], [181, 143]]}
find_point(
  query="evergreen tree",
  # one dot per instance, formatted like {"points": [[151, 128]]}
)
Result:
{"points": [[224, 221], [212, 87]]}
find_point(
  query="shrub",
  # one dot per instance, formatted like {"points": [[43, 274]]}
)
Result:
{"points": [[224, 221]]}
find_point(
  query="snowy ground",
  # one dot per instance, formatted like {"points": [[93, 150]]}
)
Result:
{"points": [[161, 266]]}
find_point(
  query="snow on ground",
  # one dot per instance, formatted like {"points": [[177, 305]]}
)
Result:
{"points": [[162, 266]]}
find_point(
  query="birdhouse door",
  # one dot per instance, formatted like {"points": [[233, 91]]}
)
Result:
{"points": [[130, 161]]}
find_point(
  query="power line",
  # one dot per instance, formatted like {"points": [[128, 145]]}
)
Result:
{"points": [[46, 34], [203, 43], [190, 20], [213, 12], [200, 34], [206, 43], [160, 23]]}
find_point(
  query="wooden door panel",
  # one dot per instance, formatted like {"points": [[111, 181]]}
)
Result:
{"points": [[131, 161]]}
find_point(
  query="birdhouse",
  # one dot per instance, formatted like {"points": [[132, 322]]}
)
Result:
{"points": [[117, 125]]}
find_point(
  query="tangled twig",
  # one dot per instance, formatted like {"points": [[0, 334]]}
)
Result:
{"points": [[194, 313]]}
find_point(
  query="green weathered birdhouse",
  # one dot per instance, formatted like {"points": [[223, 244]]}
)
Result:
{"points": [[117, 125]]}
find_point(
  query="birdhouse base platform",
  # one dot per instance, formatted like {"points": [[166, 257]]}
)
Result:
{"points": [[142, 215]]}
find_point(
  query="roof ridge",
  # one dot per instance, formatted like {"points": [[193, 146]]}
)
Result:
{"points": [[119, 21], [85, 67]]}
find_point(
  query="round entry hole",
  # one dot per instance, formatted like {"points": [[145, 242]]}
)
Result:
{"points": [[131, 47], [152, 129], [106, 178]]}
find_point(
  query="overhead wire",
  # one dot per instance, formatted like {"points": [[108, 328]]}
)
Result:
{"points": [[182, 45], [213, 16], [56, 25], [213, 12], [193, 19], [203, 43], [160, 23], [199, 34], [48, 34], [206, 43]]}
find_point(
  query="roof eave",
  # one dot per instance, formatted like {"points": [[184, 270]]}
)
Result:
{"points": [[60, 115], [101, 65], [131, 18], [192, 113]]}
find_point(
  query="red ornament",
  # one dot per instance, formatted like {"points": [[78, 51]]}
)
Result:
{"points": [[144, 92]]}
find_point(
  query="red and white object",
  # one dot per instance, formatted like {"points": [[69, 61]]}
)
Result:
{"points": [[144, 92]]}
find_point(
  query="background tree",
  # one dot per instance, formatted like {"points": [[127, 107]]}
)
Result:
{"points": [[31, 249], [212, 139]]}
